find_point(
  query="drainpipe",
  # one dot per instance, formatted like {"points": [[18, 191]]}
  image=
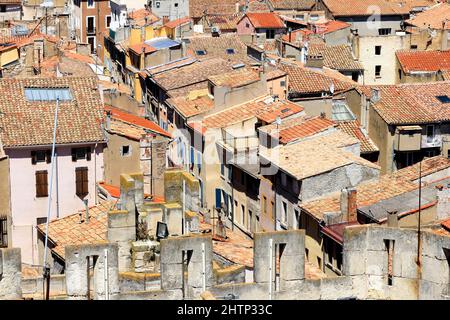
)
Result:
{"points": [[86, 204], [57, 185], [105, 273], [95, 173], [270, 268]]}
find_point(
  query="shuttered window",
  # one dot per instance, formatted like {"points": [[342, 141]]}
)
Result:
{"points": [[41, 156], [3, 232], [81, 180], [41, 183]]}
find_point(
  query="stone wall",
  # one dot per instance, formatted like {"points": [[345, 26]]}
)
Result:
{"points": [[10, 274]]}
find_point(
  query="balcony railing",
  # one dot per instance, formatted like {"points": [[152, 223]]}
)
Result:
{"points": [[240, 144]]}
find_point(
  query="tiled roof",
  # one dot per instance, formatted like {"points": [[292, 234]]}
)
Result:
{"points": [[216, 47], [385, 187], [303, 80], [428, 166], [274, 73], [68, 231], [133, 126], [446, 224], [26, 123], [298, 128], [340, 8], [354, 129], [235, 78], [411, 61], [248, 110], [330, 26], [197, 8], [142, 47], [257, 6], [338, 57], [265, 20], [224, 22], [191, 107], [170, 65], [191, 74], [315, 155], [292, 4], [178, 22], [445, 74], [413, 103], [296, 36], [435, 17], [142, 17], [282, 109]]}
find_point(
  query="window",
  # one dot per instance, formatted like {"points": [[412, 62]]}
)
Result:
{"points": [[41, 220], [81, 153], [283, 179], [284, 212], [297, 219], [264, 203], [448, 154], [377, 50], [108, 20], [125, 151], [314, 17], [3, 232], [81, 181], [272, 209], [90, 24], [377, 71], [384, 31], [90, 4], [390, 263], [282, 83], [300, 17], [48, 94], [41, 183], [200, 52], [430, 133], [270, 34], [414, 47], [247, 25], [230, 51], [41, 156], [443, 99]]}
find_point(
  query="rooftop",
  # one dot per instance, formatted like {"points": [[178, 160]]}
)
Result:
{"points": [[369, 7], [338, 57], [197, 8], [140, 48], [307, 81], [419, 61], [142, 17], [436, 17], [298, 128], [330, 26], [189, 107], [373, 191], [28, 106], [265, 20], [414, 103], [315, 155], [235, 78], [132, 126], [292, 4], [161, 43], [353, 128], [178, 22], [69, 231]]}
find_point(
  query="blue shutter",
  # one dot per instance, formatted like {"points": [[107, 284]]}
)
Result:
{"points": [[218, 198]]}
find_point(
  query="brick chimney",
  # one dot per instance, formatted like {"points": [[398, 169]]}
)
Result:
{"points": [[348, 204]]}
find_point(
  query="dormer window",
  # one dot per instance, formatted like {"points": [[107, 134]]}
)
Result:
{"points": [[200, 52], [48, 94]]}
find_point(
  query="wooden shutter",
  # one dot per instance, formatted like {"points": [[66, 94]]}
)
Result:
{"points": [[81, 181], [41, 183], [48, 156], [33, 157], [88, 153]]}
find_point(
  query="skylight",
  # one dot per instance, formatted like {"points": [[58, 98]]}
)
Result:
{"points": [[201, 52], [230, 51], [48, 94], [443, 99]]}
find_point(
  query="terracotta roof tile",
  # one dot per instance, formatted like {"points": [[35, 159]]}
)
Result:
{"points": [[142, 47], [315, 155], [132, 125], [340, 8], [191, 107], [413, 103], [433, 61], [446, 224], [370, 192], [292, 4], [31, 122], [338, 57], [235, 78], [265, 20], [330, 26], [197, 8], [354, 129], [178, 22], [435, 17]]}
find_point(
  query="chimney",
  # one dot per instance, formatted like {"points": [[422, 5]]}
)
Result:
{"points": [[392, 220], [348, 204], [108, 120], [86, 205]]}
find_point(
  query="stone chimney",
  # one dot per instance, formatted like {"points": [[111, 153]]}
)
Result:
{"points": [[348, 204], [392, 219]]}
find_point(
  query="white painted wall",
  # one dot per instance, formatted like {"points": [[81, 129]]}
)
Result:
{"points": [[26, 207]]}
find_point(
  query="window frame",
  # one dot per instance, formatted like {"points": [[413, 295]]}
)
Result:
{"points": [[41, 183], [82, 181]]}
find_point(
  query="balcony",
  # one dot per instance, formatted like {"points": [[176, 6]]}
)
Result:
{"points": [[407, 138], [239, 143]]}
